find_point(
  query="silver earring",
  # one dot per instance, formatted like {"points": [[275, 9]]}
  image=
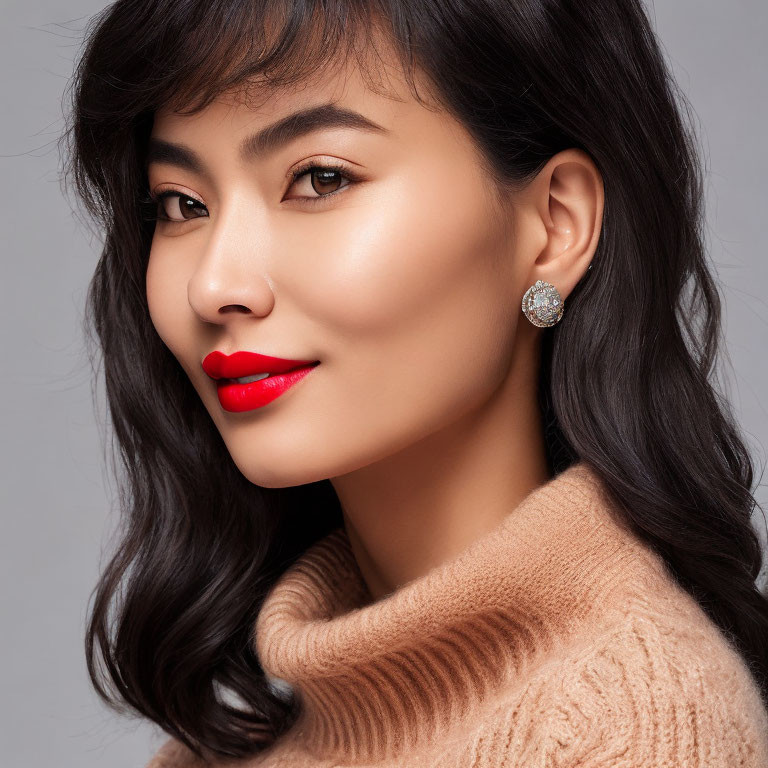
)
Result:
{"points": [[542, 304]]}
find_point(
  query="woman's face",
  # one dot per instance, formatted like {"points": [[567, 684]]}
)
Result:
{"points": [[398, 273]]}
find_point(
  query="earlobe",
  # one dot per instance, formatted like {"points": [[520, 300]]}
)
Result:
{"points": [[572, 200]]}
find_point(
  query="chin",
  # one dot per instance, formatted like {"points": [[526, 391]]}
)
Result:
{"points": [[270, 473]]}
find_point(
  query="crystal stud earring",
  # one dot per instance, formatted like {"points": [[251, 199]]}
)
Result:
{"points": [[542, 304]]}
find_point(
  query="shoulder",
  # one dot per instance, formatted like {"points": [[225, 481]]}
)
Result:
{"points": [[659, 688]]}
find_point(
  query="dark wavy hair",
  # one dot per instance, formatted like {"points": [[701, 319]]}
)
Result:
{"points": [[628, 378]]}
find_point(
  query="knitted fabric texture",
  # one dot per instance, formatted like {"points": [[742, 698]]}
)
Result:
{"points": [[557, 640]]}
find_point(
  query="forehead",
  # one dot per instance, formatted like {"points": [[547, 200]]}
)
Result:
{"points": [[378, 90]]}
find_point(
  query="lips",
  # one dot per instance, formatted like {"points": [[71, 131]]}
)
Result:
{"points": [[219, 366]]}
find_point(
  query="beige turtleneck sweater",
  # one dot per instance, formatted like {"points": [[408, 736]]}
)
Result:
{"points": [[557, 640]]}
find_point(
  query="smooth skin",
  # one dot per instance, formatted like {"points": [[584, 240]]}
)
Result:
{"points": [[405, 284]]}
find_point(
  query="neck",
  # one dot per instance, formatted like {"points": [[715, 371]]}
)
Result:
{"points": [[421, 506]]}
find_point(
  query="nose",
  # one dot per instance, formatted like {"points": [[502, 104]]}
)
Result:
{"points": [[227, 281]]}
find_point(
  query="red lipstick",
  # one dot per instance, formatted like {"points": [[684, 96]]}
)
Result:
{"points": [[245, 396]]}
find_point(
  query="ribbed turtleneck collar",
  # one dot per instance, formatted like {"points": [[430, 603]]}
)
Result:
{"points": [[377, 679]]}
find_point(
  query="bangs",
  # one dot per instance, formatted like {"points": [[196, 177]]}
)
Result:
{"points": [[251, 47]]}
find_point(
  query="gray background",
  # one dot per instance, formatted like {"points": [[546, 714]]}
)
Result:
{"points": [[57, 494]]}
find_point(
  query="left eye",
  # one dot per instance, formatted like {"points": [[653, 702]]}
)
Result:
{"points": [[324, 180]]}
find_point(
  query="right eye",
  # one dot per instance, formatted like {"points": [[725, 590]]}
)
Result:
{"points": [[176, 206]]}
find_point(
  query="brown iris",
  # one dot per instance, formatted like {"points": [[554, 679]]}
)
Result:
{"points": [[324, 179]]}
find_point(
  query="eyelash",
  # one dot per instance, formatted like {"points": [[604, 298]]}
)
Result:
{"points": [[152, 204]]}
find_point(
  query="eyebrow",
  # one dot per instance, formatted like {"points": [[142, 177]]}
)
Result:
{"points": [[267, 140]]}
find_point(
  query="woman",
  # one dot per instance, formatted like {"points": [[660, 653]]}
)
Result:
{"points": [[408, 330]]}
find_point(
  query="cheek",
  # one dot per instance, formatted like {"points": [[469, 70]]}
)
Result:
{"points": [[415, 327], [401, 261], [166, 299], [157, 295]]}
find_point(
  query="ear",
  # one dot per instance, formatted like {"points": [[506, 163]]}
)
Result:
{"points": [[568, 198]]}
